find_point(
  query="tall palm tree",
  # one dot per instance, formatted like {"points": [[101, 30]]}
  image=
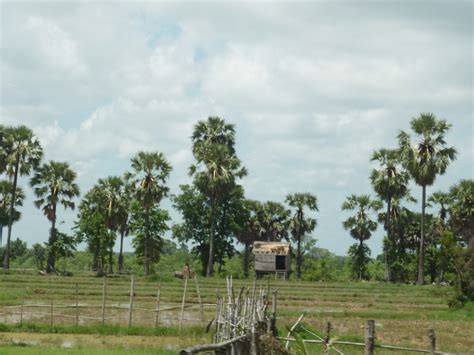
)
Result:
{"points": [[53, 183], [20, 152], [216, 167], [425, 158], [299, 225], [273, 220], [116, 210], [389, 182], [5, 195], [361, 227], [148, 183]]}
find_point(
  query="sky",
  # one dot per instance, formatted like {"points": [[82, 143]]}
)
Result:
{"points": [[312, 89]]}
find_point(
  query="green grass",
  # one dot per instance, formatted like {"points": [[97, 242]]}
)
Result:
{"points": [[31, 350], [403, 312]]}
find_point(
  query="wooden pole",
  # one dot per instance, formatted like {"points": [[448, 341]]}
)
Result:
{"points": [[183, 303], [77, 304], [51, 311], [199, 300], [103, 299], [157, 314], [432, 336], [21, 309], [369, 337], [273, 328], [132, 294], [327, 338]]}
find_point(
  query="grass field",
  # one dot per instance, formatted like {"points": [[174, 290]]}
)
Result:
{"points": [[402, 313]]}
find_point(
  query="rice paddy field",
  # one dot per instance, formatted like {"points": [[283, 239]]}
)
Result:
{"points": [[402, 314]]}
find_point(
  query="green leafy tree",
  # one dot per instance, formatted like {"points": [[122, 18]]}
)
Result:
{"points": [[299, 224], [5, 195], [425, 158], [154, 242], [54, 183], [195, 212], [360, 227], [148, 184], [20, 152], [39, 255], [389, 182], [215, 170]]}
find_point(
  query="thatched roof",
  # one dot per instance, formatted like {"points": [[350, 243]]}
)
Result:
{"points": [[277, 248]]}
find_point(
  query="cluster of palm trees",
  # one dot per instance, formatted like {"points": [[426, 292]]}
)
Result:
{"points": [[216, 214], [421, 157]]}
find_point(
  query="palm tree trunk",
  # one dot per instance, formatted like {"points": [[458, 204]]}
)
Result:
{"points": [[95, 258], [120, 257], [52, 251], [388, 271], [246, 259], [6, 260], [210, 264], [422, 238], [146, 261], [111, 256], [1, 234], [298, 258]]}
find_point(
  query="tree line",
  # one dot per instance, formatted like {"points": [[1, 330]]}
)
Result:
{"points": [[216, 214]]}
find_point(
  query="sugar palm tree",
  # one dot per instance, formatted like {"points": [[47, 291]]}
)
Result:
{"points": [[425, 158], [54, 183], [361, 227], [216, 168], [273, 220], [20, 152], [5, 195], [148, 184], [389, 182], [116, 209], [299, 224]]}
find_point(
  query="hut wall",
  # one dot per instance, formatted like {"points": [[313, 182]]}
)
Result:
{"points": [[265, 262]]}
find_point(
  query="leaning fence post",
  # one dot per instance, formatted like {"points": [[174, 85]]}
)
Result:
{"points": [[369, 337], [432, 336], [158, 295], [103, 299], [77, 304], [327, 338], [51, 310], [199, 300], [21, 309], [130, 309], [183, 303], [273, 328]]}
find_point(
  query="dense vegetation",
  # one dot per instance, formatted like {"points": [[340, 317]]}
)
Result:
{"points": [[217, 217]]}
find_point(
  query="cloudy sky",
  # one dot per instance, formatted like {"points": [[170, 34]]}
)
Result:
{"points": [[312, 88]]}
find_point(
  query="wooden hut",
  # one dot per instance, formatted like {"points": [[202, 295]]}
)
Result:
{"points": [[272, 258]]}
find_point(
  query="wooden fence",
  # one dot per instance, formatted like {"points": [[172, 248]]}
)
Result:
{"points": [[53, 310]]}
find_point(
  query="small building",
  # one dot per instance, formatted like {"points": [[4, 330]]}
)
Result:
{"points": [[272, 258]]}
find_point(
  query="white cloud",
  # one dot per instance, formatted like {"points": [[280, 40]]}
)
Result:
{"points": [[312, 88]]}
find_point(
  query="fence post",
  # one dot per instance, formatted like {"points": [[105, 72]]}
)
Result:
{"points": [[21, 309], [183, 303], [77, 304], [369, 337], [130, 309], [199, 300], [432, 336], [327, 338], [274, 308], [103, 299], [157, 314], [51, 310]]}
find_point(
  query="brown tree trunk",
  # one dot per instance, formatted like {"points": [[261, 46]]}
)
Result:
{"points": [[246, 258], [120, 257], [146, 261], [52, 241], [388, 271], [422, 239], [210, 263], [6, 260]]}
